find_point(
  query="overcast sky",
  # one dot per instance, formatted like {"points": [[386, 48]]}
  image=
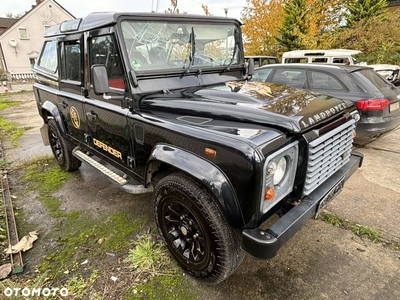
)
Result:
{"points": [[80, 8]]}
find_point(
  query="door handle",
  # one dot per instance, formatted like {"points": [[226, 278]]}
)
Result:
{"points": [[92, 116], [63, 104]]}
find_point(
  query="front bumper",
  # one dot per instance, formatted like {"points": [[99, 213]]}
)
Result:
{"points": [[264, 244]]}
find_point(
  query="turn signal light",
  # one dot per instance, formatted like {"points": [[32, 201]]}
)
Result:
{"points": [[210, 152], [269, 194]]}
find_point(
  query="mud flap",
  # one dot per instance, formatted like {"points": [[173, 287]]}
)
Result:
{"points": [[44, 131]]}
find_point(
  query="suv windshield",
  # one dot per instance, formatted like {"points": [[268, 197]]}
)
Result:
{"points": [[172, 45]]}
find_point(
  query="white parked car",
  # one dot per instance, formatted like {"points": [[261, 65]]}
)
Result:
{"points": [[342, 57], [390, 72]]}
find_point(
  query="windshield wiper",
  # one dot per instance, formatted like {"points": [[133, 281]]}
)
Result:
{"points": [[192, 53], [235, 35]]}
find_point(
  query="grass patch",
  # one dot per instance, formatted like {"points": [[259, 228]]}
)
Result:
{"points": [[87, 238], [163, 287], [147, 255], [45, 176], [4, 164], [78, 287], [10, 131], [6, 103], [359, 230]]}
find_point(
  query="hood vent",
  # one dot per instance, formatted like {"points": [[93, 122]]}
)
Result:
{"points": [[194, 120]]}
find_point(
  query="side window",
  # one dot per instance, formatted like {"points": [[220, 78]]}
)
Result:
{"points": [[261, 75], [319, 60], [48, 59], [264, 61], [297, 60], [72, 62], [292, 77], [341, 60], [326, 81], [104, 51]]}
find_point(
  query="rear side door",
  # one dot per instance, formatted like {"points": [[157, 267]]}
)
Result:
{"points": [[335, 83], [71, 95]]}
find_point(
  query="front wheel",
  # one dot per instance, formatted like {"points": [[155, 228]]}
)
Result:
{"points": [[62, 149], [194, 229]]}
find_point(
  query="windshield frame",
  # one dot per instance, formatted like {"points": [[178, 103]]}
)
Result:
{"points": [[146, 35]]}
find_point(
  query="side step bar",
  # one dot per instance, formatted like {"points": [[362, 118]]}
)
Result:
{"points": [[114, 177]]}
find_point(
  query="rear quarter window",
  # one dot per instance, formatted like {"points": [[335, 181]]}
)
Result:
{"points": [[371, 81], [48, 59], [321, 80]]}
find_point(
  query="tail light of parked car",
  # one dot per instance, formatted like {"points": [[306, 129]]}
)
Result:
{"points": [[373, 104]]}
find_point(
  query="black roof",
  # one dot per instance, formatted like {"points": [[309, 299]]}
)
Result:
{"points": [[102, 19]]}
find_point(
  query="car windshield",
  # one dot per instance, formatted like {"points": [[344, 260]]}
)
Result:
{"points": [[175, 45]]}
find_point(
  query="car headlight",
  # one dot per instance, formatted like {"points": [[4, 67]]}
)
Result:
{"points": [[279, 175], [280, 171]]}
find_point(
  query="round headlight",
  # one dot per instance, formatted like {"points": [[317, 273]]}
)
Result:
{"points": [[280, 171]]}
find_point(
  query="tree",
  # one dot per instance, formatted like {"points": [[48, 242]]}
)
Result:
{"points": [[294, 25], [364, 9], [308, 23], [262, 19], [17, 16], [206, 10], [174, 8], [377, 37]]}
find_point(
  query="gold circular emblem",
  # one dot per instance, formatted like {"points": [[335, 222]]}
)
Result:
{"points": [[75, 117]]}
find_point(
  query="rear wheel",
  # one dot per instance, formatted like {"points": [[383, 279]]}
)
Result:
{"points": [[62, 148], [194, 229]]}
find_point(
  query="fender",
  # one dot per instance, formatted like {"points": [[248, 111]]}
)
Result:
{"points": [[55, 113], [206, 173]]}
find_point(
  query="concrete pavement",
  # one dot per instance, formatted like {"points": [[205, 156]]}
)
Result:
{"points": [[372, 196]]}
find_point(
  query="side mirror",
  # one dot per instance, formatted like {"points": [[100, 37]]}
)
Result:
{"points": [[100, 79], [250, 67]]}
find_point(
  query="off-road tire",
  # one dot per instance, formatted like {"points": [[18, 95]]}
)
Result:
{"points": [[194, 229], [62, 149]]}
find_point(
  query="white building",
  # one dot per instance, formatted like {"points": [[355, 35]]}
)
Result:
{"points": [[20, 43]]}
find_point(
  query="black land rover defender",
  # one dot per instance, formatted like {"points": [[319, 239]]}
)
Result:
{"points": [[161, 103]]}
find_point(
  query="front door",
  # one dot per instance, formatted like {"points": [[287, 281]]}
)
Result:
{"points": [[108, 132]]}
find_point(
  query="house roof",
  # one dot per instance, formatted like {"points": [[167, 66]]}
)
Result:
{"points": [[3, 31], [7, 22]]}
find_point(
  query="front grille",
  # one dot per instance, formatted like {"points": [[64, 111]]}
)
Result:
{"points": [[327, 154]]}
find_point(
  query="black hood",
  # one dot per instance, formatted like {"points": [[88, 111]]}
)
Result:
{"points": [[251, 102]]}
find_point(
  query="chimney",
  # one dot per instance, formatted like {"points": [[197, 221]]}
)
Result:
{"points": [[38, 2]]}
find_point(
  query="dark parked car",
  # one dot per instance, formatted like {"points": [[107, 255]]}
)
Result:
{"points": [[376, 99]]}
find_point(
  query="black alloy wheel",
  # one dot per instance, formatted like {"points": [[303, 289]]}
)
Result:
{"points": [[62, 149], [194, 229]]}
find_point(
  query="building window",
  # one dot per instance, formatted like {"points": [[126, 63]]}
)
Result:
{"points": [[32, 61], [46, 27], [23, 33]]}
